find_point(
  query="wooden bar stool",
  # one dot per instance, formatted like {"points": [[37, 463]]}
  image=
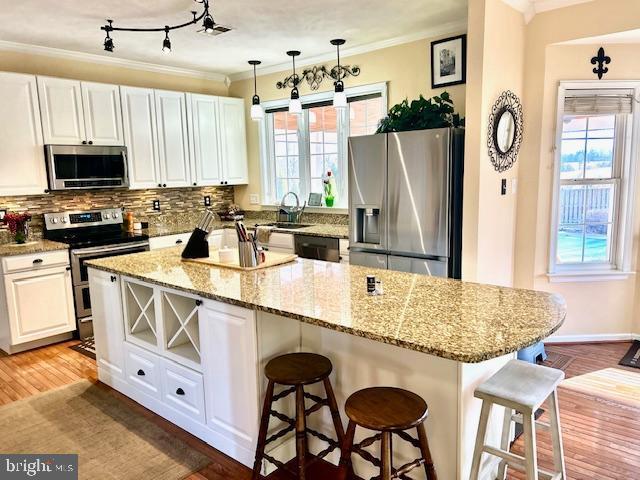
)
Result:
{"points": [[523, 387], [387, 410], [297, 370]]}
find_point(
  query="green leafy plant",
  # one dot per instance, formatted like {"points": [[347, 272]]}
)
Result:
{"points": [[436, 112]]}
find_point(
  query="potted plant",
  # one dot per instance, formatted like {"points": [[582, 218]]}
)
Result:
{"points": [[18, 224], [436, 112]]}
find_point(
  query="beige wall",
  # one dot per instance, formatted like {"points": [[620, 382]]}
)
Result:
{"points": [[96, 72], [405, 68], [598, 307], [496, 47]]}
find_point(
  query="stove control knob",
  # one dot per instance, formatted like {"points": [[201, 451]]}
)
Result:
{"points": [[107, 216], [63, 219], [115, 214], [54, 220]]}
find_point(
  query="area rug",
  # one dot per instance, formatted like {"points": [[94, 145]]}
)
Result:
{"points": [[113, 442], [613, 384], [87, 347], [632, 357]]}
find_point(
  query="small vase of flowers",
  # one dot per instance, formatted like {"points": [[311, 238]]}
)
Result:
{"points": [[329, 189], [18, 224]]}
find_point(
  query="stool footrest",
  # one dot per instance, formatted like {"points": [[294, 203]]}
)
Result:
{"points": [[279, 434], [284, 393], [516, 461], [282, 417], [408, 438], [333, 444]]}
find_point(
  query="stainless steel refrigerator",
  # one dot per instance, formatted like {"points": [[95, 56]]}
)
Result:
{"points": [[405, 201]]}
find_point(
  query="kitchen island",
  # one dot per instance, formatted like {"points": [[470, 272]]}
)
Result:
{"points": [[190, 342]]}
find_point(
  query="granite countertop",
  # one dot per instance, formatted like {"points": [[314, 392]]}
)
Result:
{"points": [[461, 321], [35, 246], [316, 230]]}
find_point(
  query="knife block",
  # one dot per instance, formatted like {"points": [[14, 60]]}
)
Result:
{"points": [[197, 246]]}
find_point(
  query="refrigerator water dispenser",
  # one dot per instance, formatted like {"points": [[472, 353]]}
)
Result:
{"points": [[368, 225]]}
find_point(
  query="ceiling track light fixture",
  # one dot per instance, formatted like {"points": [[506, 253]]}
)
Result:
{"points": [[339, 96], [257, 113], [295, 105], [208, 26]]}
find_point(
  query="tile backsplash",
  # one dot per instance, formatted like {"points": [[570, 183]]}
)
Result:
{"points": [[173, 201]]}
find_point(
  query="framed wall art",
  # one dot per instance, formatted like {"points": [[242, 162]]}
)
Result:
{"points": [[449, 61]]}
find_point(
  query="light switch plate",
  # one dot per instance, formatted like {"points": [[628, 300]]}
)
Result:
{"points": [[503, 186], [207, 201], [156, 205], [254, 199]]}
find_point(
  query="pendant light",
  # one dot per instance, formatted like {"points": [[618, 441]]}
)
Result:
{"points": [[108, 41], [339, 97], [166, 44], [257, 113], [295, 105]]}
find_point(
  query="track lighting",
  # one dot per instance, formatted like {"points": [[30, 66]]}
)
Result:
{"points": [[339, 97], [257, 113], [166, 44], [295, 105]]}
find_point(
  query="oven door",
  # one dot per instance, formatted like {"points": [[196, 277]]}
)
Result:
{"points": [[79, 257], [86, 166]]}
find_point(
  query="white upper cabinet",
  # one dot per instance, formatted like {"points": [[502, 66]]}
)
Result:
{"points": [[61, 109], [139, 119], [173, 143], [22, 167], [102, 114], [233, 141], [204, 136], [75, 113]]}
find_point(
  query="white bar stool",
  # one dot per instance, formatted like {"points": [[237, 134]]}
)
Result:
{"points": [[522, 387]]}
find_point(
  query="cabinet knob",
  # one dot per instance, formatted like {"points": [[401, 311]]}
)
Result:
{"points": [[141, 373], [90, 142], [68, 268], [198, 302], [194, 184], [113, 278], [159, 185], [178, 242], [179, 391], [164, 184], [84, 142], [46, 190], [37, 261]]}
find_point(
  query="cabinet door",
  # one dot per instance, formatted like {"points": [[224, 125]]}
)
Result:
{"points": [[230, 370], [102, 113], [61, 108], [40, 304], [233, 141], [21, 137], [139, 118], [205, 145], [108, 326], [173, 144]]}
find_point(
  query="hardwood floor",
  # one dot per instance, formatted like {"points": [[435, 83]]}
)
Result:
{"points": [[601, 438]]}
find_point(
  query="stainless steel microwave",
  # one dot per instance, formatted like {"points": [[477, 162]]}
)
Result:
{"points": [[71, 167]]}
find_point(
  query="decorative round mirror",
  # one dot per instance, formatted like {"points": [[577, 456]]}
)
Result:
{"points": [[505, 131]]}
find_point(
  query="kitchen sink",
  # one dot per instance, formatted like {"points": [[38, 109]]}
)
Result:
{"points": [[290, 226]]}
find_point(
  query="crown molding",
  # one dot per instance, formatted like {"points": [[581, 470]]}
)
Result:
{"points": [[530, 8], [8, 46], [448, 28]]}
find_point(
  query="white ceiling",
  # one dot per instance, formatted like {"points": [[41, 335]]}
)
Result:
{"points": [[263, 29]]}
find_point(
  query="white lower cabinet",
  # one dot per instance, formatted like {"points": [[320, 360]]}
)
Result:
{"points": [[36, 300]]}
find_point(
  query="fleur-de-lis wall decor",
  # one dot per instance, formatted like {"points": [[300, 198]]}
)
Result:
{"points": [[601, 60]]}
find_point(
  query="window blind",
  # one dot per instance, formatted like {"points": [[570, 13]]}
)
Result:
{"points": [[610, 102]]}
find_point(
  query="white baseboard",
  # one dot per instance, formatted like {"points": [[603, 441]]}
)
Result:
{"points": [[600, 337]]}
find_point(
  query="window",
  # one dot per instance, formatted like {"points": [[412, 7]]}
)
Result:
{"points": [[593, 181], [299, 150]]}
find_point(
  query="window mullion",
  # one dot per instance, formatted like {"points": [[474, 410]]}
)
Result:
{"points": [[304, 154]]}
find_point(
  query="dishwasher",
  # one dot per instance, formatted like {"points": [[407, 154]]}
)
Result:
{"points": [[317, 248]]}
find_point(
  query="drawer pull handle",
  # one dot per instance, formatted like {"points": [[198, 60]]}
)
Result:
{"points": [[113, 278], [178, 242], [179, 391], [37, 261], [141, 373]]}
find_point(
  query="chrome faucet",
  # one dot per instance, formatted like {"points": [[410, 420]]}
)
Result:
{"points": [[290, 214]]}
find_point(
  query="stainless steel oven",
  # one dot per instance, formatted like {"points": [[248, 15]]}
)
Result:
{"points": [[80, 277], [72, 167]]}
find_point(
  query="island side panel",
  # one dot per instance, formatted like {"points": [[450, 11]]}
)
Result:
{"points": [[471, 375], [361, 363]]}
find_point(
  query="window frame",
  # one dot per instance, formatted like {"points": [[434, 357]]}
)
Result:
{"points": [[619, 266], [267, 144]]}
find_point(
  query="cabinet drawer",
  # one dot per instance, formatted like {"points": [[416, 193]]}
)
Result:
{"points": [[35, 260], [281, 240], [183, 390], [143, 370], [169, 241]]}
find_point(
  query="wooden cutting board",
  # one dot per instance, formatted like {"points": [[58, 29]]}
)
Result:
{"points": [[272, 259]]}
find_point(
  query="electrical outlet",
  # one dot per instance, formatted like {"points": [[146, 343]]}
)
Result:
{"points": [[207, 201], [156, 205], [503, 187], [254, 199], [2, 214]]}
